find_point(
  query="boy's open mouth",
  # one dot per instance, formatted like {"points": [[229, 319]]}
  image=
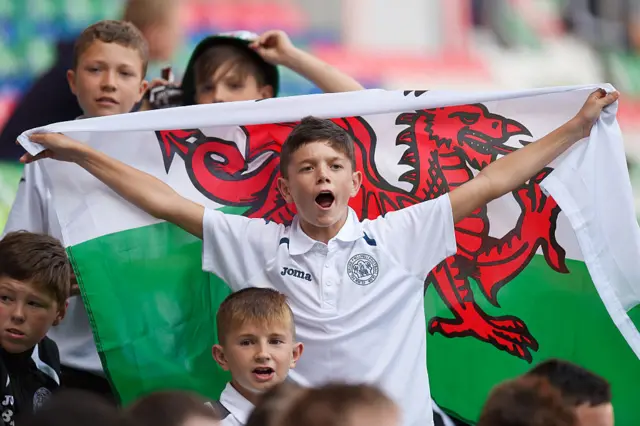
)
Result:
{"points": [[263, 373], [325, 199]]}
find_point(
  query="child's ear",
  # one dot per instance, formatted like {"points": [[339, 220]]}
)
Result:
{"points": [[61, 313], [221, 359], [266, 91], [144, 85], [283, 186], [298, 348], [71, 79], [356, 181]]}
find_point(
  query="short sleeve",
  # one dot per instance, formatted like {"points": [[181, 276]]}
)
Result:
{"points": [[236, 248], [418, 237], [28, 210]]}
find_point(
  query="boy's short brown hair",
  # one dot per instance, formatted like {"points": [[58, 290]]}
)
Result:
{"points": [[109, 31], [263, 306], [274, 404], [334, 404], [312, 129], [526, 401], [576, 384], [170, 408], [37, 259]]}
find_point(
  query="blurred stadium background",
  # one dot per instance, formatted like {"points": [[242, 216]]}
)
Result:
{"points": [[410, 44]]}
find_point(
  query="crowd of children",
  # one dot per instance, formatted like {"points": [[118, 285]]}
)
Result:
{"points": [[298, 355]]}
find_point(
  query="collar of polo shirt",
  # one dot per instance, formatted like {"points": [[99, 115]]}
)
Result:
{"points": [[301, 243], [239, 406]]}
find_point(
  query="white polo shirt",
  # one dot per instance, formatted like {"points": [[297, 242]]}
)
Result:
{"points": [[358, 301], [33, 211], [239, 407]]}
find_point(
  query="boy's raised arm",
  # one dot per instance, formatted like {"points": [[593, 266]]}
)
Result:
{"points": [[511, 171], [141, 189], [275, 47]]}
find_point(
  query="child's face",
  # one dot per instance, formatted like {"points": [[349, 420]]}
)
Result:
{"points": [[320, 182], [108, 79], [258, 357], [229, 85], [26, 315]]}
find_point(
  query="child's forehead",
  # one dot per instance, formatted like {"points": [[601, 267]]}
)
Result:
{"points": [[263, 327], [318, 147], [30, 288], [111, 52]]}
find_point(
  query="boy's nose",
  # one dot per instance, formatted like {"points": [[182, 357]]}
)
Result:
{"points": [[108, 82], [18, 314], [323, 176], [262, 354]]}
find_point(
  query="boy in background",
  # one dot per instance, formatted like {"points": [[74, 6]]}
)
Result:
{"points": [[34, 286], [588, 393], [49, 100], [257, 346], [107, 77], [242, 66], [526, 401]]}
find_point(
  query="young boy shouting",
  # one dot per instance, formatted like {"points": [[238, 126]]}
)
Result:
{"points": [[359, 309], [257, 345], [107, 77], [34, 286]]}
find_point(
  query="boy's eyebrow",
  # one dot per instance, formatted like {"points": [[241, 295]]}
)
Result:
{"points": [[315, 159], [101, 62]]}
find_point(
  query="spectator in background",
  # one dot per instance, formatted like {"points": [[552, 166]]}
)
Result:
{"points": [[49, 99], [172, 408], [76, 408], [526, 401], [588, 393], [257, 344], [34, 286], [342, 405], [107, 77], [634, 28], [243, 66], [274, 404]]}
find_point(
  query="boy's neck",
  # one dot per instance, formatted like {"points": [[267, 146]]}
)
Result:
{"points": [[324, 234], [252, 397]]}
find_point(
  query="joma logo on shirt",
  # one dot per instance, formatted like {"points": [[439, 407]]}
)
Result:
{"points": [[296, 273]]}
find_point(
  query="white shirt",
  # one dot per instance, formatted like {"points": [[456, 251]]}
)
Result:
{"points": [[33, 211], [358, 301], [238, 406]]}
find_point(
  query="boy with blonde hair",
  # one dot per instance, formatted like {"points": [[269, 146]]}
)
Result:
{"points": [[107, 77], [257, 345]]}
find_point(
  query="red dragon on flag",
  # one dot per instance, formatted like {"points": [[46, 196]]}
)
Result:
{"points": [[444, 147]]}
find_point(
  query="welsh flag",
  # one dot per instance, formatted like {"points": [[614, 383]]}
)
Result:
{"points": [[550, 270]]}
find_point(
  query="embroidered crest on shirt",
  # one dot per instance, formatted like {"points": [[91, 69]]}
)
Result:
{"points": [[362, 269], [40, 397]]}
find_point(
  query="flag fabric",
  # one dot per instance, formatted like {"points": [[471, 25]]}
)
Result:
{"points": [[549, 270]]}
